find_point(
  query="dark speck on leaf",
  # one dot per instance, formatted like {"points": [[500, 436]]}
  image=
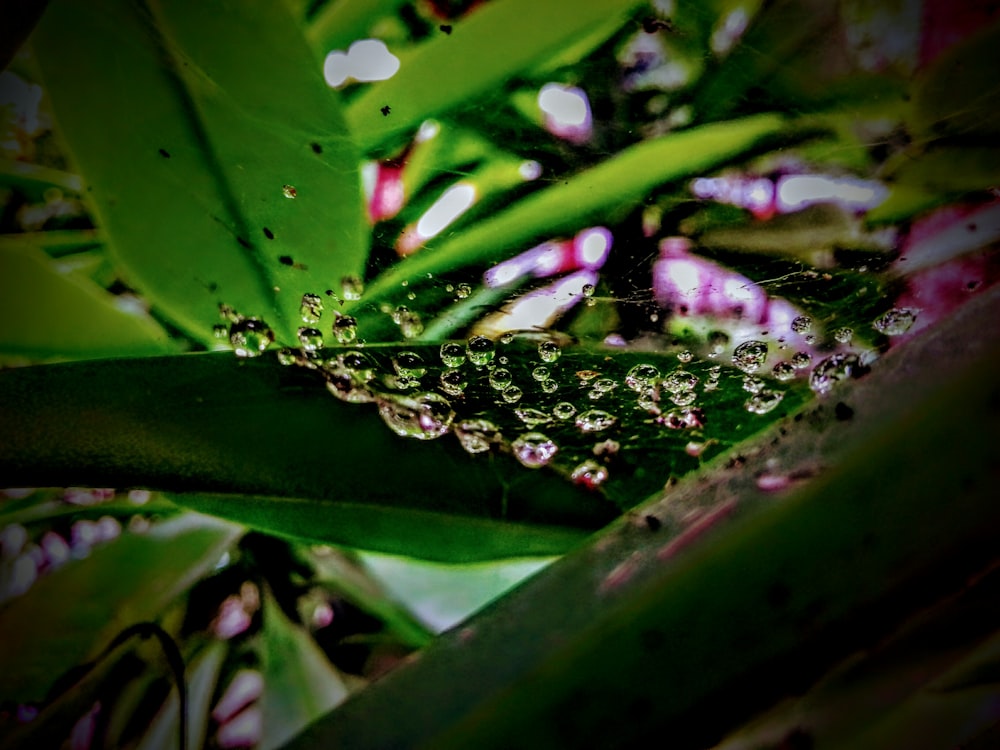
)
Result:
{"points": [[386, 110], [317, 149], [329, 292], [445, 27], [213, 287], [243, 242], [653, 523], [268, 233], [164, 153], [842, 411], [286, 260], [972, 226]]}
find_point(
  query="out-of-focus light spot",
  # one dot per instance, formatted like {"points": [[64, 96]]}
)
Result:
{"points": [[365, 60], [530, 170], [322, 615], [18, 493], [232, 619], [589, 249], [567, 111], [428, 129], [246, 686], [57, 551], [20, 577], [539, 308], [797, 191], [12, 540], [592, 247], [385, 194], [243, 730], [454, 202], [728, 32], [139, 497]]}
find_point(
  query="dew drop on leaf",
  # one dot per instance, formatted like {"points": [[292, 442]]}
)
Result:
{"points": [[802, 324], [310, 339], [512, 394], [834, 369], [763, 401], [477, 435], [590, 474], [534, 450], [500, 378], [453, 382], [311, 308], [541, 373], [462, 291], [480, 350], [452, 354], [896, 321], [549, 386], [783, 371], [220, 331], [752, 384], [351, 287], [533, 417], [423, 416], [685, 356], [289, 191], [595, 420], [843, 335], [801, 360], [679, 381], [549, 351], [345, 329], [641, 377], [250, 336], [409, 365], [750, 355], [563, 410]]}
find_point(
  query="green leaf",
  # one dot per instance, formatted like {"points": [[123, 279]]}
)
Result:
{"points": [[740, 595], [186, 122], [212, 423], [598, 194], [300, 684], [72, 613], [956, 94], [34, 180], [341, 22], [48, 314], [497, 41]]}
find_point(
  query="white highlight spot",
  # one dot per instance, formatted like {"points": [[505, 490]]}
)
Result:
{"points": [[798, 191], [366, 60], [593, 246], [567, 111], [454, 202]]}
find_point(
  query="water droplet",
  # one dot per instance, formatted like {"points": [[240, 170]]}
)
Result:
{"points": [[409, 365], [506, 337], [512, 394], [834, 369], [541, 373], [802, 324], [563, 410], [549, 386], [250, 336], [843, 335], [683, 419], [358, 363], [595, 420], [604, 385], [680, 381], [685, 356], [477, 435], [311, 308], [534, 450], [423, 416], [286, 356], [647, 399], [783, 371], [586, 375], [533, 417], [452, 354], [453, 382], [310, 339], [590, 474], [289, 191], [500, 378], [750, 355], [480, 350], [753, 384], [410, 324], [549, 351], [228, 313], [462, 291], [220, 331], [763, 401], [587, 290], [352, 287], [896, 321], [801, 360], [641, 377], [345, 329], [683, 398]]}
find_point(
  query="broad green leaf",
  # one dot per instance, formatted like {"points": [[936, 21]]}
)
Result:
{"points": [[740, 595], [187, 122], [599, 194], [300, 684], [213, 423], [340, 22], [72, 613], [485, 49], [48, 314]]}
